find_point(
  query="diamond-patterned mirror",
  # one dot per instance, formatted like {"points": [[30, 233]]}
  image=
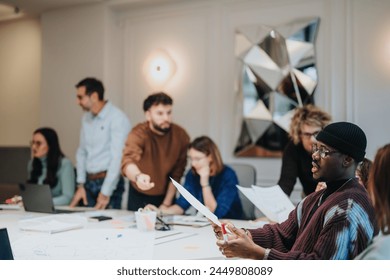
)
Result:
{"points": [[277, 74]]}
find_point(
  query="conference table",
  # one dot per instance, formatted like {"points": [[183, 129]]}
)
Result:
{"points": [[76, 236]]}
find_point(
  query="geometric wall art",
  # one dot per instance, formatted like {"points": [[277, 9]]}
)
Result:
{"points": [[276, 73]]}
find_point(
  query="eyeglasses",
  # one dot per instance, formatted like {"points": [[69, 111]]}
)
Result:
{"points": [[309, 135], [35, 143], [195, 159], [161, 225], [322, 151]]}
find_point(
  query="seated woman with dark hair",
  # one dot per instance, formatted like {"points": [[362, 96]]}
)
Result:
{"points": [[49, 165], [210, 181]]}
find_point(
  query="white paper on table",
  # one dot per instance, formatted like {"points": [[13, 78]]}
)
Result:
{"points": [[53, 223], [272, 201], [87, 244], [196, 203]]}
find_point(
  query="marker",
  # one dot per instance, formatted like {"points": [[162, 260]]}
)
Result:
{"points": [[225, 237]]}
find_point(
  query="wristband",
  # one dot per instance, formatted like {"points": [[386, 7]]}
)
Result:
{"points": [[206, 186], [266, 254]]}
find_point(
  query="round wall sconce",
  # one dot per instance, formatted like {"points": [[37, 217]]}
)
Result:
{"points": [[159, 68]]}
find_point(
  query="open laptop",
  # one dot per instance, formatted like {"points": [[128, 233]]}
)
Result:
{"points": [[8, 190], [38, 198], [5, 245]]}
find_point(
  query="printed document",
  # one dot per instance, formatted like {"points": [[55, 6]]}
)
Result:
{"points": [[272, 201]]}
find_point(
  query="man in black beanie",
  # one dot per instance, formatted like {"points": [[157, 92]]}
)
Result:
{"points": [[335, 223]]}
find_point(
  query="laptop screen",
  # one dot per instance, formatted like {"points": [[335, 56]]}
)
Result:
{"points": [[38, 198], [5, 245]]}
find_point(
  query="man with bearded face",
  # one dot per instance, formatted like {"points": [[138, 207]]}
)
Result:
{"points": [[154, 151]]}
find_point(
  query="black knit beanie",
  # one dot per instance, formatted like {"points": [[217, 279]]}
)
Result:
{"points": [[345, 137]]}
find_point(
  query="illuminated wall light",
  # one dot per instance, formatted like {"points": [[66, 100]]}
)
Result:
{"points": [[159, 68]]}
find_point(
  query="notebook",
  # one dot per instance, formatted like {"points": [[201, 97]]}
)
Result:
{"points": [[8, 190], [5, 245], [38, 198]]}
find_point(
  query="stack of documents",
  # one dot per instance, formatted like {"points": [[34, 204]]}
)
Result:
{"points": [[53, 223]]}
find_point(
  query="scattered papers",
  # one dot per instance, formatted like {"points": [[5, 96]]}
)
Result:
{"points": [[171, 235], [272, 201], [196, 203], [10, 207], [53, 223], [88, 244], [194, 221]]}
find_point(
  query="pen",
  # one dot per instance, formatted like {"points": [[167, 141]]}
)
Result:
{"points": [[225, 237]]}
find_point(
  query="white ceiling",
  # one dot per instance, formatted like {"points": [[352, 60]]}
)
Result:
{"points": [[37, 7]]}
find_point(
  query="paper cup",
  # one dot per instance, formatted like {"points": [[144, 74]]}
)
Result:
{"points": [[146, 220]]}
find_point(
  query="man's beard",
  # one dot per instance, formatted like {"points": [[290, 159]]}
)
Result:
{"points": [[160, 129]]}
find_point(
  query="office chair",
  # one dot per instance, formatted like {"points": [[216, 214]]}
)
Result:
{"points": [[246, 175]]}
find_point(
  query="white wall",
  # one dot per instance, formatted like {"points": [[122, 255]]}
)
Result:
{"points": [[370, 70], [352, 46], [78, 42], [112, 43], [20, 75]]}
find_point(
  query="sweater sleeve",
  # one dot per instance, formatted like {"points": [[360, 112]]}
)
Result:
{"points": [[280, 237], [134, 146]]}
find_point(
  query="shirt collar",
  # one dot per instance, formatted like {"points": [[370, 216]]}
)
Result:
{"points": [[104, 112]]}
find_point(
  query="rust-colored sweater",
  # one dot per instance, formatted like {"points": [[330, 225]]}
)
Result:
{"points": [[159, 156]]}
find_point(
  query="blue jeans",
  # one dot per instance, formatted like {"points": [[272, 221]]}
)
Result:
{"points": [[93, 187]]}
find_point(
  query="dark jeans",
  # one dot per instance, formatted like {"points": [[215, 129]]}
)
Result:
{"points": [[93, 187], [139, 200]]}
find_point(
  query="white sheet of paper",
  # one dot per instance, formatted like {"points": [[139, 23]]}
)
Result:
{"points": [[196, 203], [87, 244], [53, 223], [272, 201]]}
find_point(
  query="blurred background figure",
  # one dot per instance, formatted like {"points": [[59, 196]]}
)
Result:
{"points": [[379, 190], [49, 165], [104, 128], [296, 163], [363, 170]]}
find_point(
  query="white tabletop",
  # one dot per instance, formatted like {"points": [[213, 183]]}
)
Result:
{"points": [[180, 243]]}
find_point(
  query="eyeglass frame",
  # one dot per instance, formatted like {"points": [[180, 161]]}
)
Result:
{"points": [[323, 152], [36, 143], [195, 159], [162, 225], [308, 134]]}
